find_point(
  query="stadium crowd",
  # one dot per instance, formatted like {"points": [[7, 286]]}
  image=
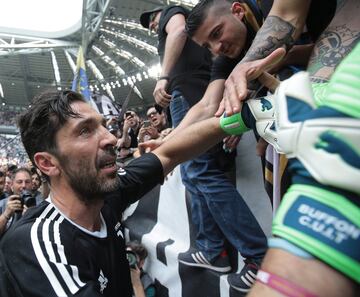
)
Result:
{"points": [[217, 59], [8, 117]]}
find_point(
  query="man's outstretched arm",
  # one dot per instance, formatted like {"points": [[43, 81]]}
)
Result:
{"points": [[206, 107], [282, 26], [189, 143]]}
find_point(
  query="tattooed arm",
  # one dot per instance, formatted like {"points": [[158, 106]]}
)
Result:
{"points": [[283, 25], [274, 33], [337, 40]]}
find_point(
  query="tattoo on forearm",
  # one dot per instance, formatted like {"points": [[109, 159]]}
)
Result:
{"points": [[315, 79], [274, 33], [332, 46]]}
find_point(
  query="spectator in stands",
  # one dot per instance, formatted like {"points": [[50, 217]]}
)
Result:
{"points": [[2, 185], [3, 168], [21, 180], [36, 183], [128, 142], [8, 117], [142, 283], [12, 207], [147, 132], [157, 119], [206, 181], [8, 184], [282, 28], [3, 195], [11, 169], [68, 141], [114, 126], [131, 129]]}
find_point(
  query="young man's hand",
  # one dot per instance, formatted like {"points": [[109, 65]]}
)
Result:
{"points": [[236, 84], [149, 146], [161, 96]]}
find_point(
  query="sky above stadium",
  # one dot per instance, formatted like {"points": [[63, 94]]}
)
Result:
{"points": [[40, 17]]}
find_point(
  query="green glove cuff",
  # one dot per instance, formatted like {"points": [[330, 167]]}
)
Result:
{"points": [[233, 125], [323, 223]]}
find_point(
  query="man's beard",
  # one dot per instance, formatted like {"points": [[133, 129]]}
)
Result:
{"points": [[85, 181]]}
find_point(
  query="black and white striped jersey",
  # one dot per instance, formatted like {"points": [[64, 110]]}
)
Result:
{"points": [[45, 254]]}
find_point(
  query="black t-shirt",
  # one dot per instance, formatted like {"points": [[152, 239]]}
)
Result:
{"points": [[223, 66], [133, 138], [47, 255], [321, 12], [191, 73]]}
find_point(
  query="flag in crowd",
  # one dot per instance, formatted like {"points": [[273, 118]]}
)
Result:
{"points": [[80, 82]]}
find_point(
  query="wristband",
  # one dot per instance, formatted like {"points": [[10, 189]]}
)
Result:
{"points": [[164, 77], [233, 125], [283, 244], [281, 285]]}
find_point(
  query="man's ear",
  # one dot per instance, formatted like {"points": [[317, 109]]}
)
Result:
{"points": [[238, 9], [47, 163]]}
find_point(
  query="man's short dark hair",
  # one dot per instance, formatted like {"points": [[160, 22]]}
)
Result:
{"points": [[34, 171], [49, 111], [199, 13], [12, 168]]}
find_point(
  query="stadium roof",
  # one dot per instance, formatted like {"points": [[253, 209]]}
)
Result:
{"points": [[120, 52]]}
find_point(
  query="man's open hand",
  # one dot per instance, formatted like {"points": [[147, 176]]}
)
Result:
{"points": [[236, 84]]}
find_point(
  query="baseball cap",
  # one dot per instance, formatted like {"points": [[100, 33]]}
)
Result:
{"points": [[145, 16]]}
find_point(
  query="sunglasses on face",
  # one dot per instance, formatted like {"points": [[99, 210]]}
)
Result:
{"points": [[150, 114]]}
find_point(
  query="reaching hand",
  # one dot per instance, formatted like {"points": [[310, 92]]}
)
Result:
{"points": [[221, 108], [230, 142], [161, 96], [236, 84], [150, 145]]}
